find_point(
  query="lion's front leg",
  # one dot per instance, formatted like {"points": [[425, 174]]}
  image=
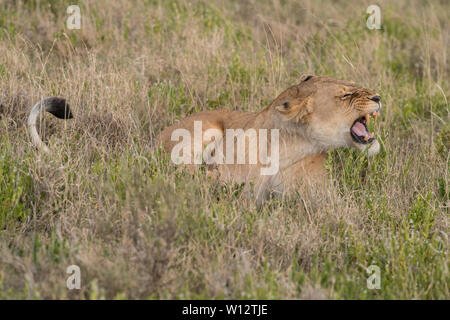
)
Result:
{"points": [[305, 172]]}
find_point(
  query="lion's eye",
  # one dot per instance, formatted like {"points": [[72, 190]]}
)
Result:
{"points": [[346, 95]]}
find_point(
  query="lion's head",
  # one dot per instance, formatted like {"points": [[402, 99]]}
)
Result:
{"points": [[331, 113]]}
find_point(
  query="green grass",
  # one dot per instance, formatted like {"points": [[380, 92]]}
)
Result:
{"points": [[16, 187]]}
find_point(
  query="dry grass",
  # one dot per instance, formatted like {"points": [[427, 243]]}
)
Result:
{"points": [[138, 229]]}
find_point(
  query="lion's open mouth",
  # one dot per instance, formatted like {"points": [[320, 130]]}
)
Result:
{"points": [[359, 131]]}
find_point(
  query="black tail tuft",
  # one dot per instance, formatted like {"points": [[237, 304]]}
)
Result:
{"points": [[58, 107]]}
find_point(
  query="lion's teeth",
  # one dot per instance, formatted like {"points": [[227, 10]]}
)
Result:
{"points": [[367, 118], [372, 135], [375, 115], [366, 138]]}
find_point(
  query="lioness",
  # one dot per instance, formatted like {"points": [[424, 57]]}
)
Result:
{"points": [[318, 114], [309, 118]]}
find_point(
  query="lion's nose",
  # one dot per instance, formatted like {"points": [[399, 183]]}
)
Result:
{"points": [[375, 98]]}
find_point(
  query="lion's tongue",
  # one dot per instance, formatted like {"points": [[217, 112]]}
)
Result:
{"points": [[359, 129]]}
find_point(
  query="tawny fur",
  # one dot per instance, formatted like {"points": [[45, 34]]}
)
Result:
{"points": [[312, 117]]}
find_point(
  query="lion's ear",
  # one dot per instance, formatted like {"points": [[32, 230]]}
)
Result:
{"points": [[305, 77], [296, 110]]}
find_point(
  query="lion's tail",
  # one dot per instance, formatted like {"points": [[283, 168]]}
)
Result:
{"points": [[54, 105]]}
